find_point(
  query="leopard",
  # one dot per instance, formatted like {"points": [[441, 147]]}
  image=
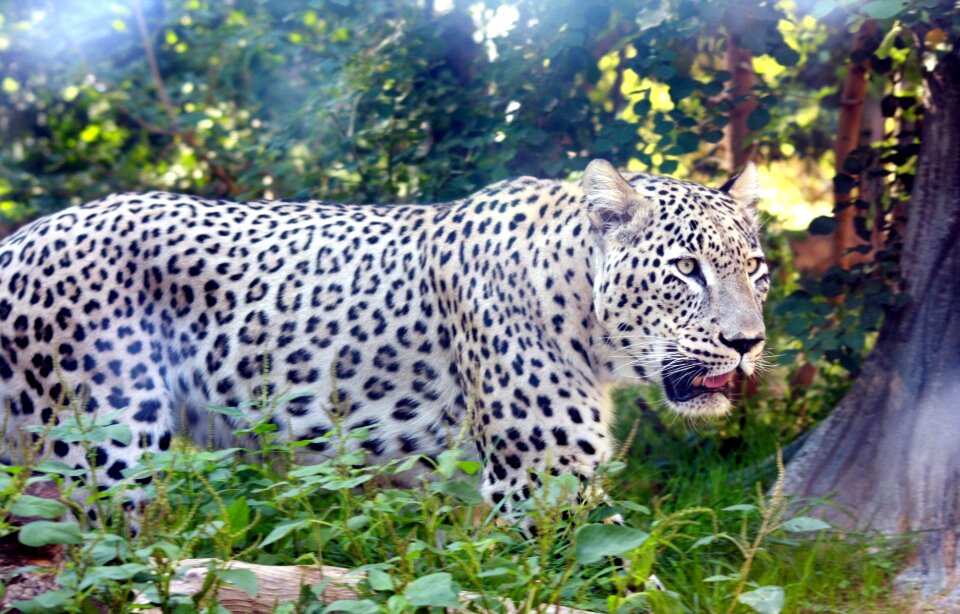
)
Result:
{"points": [[511, 314]]}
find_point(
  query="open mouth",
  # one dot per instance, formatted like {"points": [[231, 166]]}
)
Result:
{"points": [[690, 385]]}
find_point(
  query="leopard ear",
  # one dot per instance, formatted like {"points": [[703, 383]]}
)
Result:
{"points": [[612, 200], [744, 189]]}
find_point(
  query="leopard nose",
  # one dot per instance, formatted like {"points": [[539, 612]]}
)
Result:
{"points": [[740, 344]]}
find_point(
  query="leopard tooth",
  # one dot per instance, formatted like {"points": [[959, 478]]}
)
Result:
{"points": [[698, 380]]}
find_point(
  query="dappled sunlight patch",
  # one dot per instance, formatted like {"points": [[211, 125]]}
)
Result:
{"points": [[795, 190]]}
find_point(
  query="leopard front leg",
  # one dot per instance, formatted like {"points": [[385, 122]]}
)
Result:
{"points": [[538, 416]]}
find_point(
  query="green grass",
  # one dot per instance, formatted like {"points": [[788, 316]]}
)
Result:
{"points": [[724, 464], [695, 503]]}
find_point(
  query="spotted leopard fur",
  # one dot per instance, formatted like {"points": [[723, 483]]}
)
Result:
{"points": [[541, 292]]}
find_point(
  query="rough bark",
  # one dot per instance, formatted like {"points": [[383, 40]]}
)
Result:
{"points": [[852, 97], [889, 453], [278, 583]]}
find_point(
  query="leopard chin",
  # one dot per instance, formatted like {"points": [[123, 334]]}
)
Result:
{"points": [[696, 394]]}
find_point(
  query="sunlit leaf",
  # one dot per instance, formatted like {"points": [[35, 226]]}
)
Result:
{"points": [[598, 541], [244, 579], [801, 524], [362, 606], [28, 505], [434, 590], [884, 9], [764, 600], [282, 530], [462, 491], [45, 532]]}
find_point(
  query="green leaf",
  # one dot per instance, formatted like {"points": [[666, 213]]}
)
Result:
{"points": [[160, 548], [884, 9], [714, 136], [667, 602], [740, 507], [51, 601], [597, 541], [232, 412], [447, 462], [435, 590], [664, 71], [886, 45], [764, 600], [459, 490], [110, 547], [58, 468], [798, 327], [469, 467], [669, 166], [823, 8], [703, 541], [630, 506], [802, 524], [346, 483], [681, 87], [118, 432], [844, 183], [651, 16], [354, 458], [758, 118], [115, 573], [238, 514], [45, 532], [28, 505], [243, 579], [379, 580], [823, 225], [282, 530], [721, 578], [355, 523], [364, 606], [308, 470], [406, 464], [687, 142], [786, 56]]}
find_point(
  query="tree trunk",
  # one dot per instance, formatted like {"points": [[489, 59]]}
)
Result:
{"points": [[890, 453], [852, 97], [740, 66]]}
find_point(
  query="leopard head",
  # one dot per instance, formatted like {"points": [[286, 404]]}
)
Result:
{"points": [[680, 286]]}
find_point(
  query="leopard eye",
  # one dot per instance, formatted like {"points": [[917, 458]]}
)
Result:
{"points": [[687, 266], [753, 265]]}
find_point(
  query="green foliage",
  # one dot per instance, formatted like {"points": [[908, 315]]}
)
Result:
{"points": [[434, 545], [764, 600], [375, 101], [44, 533], [836, 316], [594, 542]]}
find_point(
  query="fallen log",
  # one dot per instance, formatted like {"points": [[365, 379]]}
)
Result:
{"points": [[277, 583]]}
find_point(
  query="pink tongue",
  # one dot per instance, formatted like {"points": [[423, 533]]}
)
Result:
{"points": [[717, 381]]}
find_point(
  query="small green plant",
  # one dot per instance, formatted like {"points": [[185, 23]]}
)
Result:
{"points": [[433, 545]]}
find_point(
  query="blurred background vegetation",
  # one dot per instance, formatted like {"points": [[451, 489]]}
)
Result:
{"points": [[429, 100], [408, 100]]}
